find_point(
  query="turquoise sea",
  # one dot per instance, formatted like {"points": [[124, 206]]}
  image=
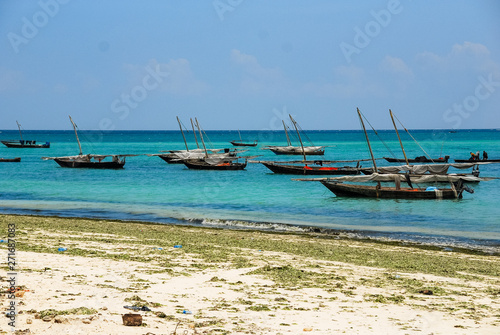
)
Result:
{"points": [[149, 189]]}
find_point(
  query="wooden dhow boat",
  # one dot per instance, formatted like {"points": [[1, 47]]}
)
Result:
{"points": [[419, 159], [457, 186], [294, 150], [305, 167], [240, 143], [213, 161], [309, 168], [477, 161], [341, 189], [178, 156], [24, 143], [89, 161]]}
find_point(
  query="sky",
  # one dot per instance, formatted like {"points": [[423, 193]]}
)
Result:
{"points": [[247, 64]]}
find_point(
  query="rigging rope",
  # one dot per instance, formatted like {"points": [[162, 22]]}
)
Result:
{"points": [[304, 134], [376, 133], [414, 138]]}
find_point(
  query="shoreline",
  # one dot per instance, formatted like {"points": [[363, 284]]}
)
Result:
{"points": [[419, 240], [242, 282]]}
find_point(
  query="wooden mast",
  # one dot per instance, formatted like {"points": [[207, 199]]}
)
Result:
{"points": [[182, 132], [298, 134], [76, 134], [201, 136], [239, 134], [368, 141], [194, 132], [20, 133], [400, 142], [286, 133]]}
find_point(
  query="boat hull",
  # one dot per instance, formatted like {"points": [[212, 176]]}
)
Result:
{"points": [[202, 165], [298, 151], [10, 160], [309, 170], [478, 161], [422, 159], [25, 144], [89, 165], [364, 191], [242, 144], [171, 159]]}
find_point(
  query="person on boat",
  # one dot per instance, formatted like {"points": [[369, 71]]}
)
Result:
{"points": [[472, 156], [485, 156]]}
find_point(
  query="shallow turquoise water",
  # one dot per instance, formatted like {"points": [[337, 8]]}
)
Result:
{"points": [[149, 189]]}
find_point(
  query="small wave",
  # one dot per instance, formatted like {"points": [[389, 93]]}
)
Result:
{"points": [[253, 225]]}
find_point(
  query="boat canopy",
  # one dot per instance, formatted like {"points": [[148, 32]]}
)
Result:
{"points": [[402, 177], [423, 168]]}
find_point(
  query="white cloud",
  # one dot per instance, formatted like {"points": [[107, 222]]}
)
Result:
{"points": [[468, 56], [348, 82], [258, 79], [174, 77], [10, 80], [396, 66]]}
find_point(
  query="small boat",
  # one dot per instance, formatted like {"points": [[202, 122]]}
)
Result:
{"points": [[200, 164], [240, 143], [307, 169], [213, 161], [10, 160], [177, 156], [23, 143], [244, 144], [295, 150], [367, 191], [419, 159], [89, 161]]}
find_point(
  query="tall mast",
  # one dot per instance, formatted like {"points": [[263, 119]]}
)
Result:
{"points": [[76, 134], [240, 135], [298, 134], [400, 142], [194, 132], [368, 141], [19, 127], [286, 133], [182, 132], [201, 136]]}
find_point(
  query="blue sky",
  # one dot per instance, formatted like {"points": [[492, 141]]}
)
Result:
{"points": [[245, 64]]}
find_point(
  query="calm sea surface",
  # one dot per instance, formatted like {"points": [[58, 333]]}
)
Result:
{"points": [[151, 190]]}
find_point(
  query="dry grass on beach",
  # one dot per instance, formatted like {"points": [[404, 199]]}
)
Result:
{"points": [[241, 282]]}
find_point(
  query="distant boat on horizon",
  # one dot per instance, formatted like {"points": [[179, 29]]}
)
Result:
{"points": [[23, 143]]}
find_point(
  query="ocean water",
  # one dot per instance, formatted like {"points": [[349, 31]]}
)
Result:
{"points": [[149, 189]]}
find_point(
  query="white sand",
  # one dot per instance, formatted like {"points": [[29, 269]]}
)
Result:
{"points": [[63, 282]]}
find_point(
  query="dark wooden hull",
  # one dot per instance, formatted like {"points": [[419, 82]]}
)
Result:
{"points": [[309, 170], [25, 144], [171, 159], [10, 160], [89, 165], [202, 165], [242, 144], [364, 191], [478, 161], [418, 160], [295, 152]]}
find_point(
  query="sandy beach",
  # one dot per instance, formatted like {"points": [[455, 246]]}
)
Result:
{"points": [[195, 280]]}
